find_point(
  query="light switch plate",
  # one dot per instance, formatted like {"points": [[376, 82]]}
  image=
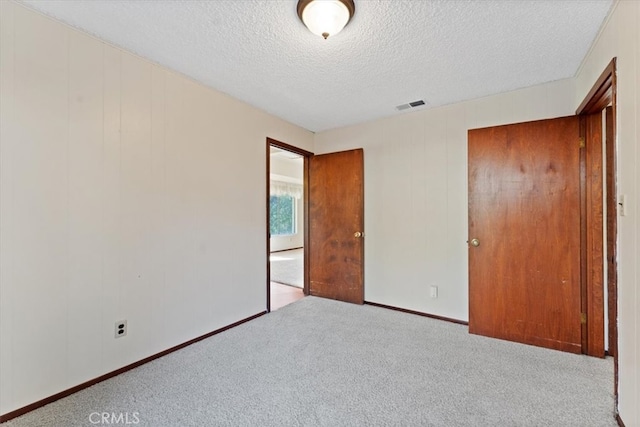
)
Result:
{"points": [[623, 205], [434, 292]]}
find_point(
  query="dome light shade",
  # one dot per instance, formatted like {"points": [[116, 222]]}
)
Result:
{"points": [[325, 17]]}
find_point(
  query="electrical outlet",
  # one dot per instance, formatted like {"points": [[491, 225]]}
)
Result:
{"points": [[121, 329], [434, 292]]}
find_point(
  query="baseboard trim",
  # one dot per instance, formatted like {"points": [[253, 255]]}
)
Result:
{"points": [[285, 250], [72, 390], [619, 420], [419, 313]]}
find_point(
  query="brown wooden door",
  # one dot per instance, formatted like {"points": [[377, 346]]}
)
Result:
{"points": [[336, 215], [524, 211]]}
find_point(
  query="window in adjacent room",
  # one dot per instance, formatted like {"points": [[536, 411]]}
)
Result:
{"points": [[282, 215]]}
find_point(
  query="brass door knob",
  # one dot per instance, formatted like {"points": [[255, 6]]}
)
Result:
{"points": [[475, 242], [358, 234]]}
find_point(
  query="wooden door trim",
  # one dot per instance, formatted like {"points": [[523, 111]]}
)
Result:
{"points": [[612, 230], [287, 147], [603, 94], [305, 191], [592, 229]]}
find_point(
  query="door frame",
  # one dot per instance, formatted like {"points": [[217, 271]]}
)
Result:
{"points": [[305, 191], [602, 95]]}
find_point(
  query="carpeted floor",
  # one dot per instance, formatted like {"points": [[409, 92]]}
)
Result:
{"points": [[287, 267], [319, 362]]}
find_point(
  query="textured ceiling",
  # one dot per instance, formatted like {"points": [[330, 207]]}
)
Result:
{"points": [[393, 51]]}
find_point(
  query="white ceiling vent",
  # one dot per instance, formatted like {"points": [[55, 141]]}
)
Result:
{"points": [[413, 104]]}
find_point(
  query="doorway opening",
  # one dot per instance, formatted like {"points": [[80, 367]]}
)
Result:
{"points": [[598, 112], [287, 230]]}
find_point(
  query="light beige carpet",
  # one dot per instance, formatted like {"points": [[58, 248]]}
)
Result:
{"points": [[354, 366]]}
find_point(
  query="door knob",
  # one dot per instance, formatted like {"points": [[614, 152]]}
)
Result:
{"points": [[475, 242], [358, 234]]}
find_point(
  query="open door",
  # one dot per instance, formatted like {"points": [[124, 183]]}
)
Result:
{"points": [[336, 226], [525, 233]]}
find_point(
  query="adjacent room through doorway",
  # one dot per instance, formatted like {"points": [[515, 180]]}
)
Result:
{"points": [[286, 226]]}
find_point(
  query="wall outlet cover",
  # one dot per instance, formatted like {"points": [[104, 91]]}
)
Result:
{"points": [[120, 329]]}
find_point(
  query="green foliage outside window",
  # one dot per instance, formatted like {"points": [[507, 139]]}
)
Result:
{"points": [[282, 215]]}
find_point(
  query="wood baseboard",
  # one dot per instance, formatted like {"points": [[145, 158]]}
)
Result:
{"points": [[286, 250], [419, 313], [70, 391]]}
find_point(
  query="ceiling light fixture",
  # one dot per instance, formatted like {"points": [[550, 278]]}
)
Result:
{"points": [[326, 17]]}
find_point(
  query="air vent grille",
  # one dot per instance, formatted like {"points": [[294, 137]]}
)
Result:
{"points": [[413, 104]]}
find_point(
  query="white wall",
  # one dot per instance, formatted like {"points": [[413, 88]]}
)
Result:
{"points": [[292, 170], [621, 38], [114, 204], [416, 193]]}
